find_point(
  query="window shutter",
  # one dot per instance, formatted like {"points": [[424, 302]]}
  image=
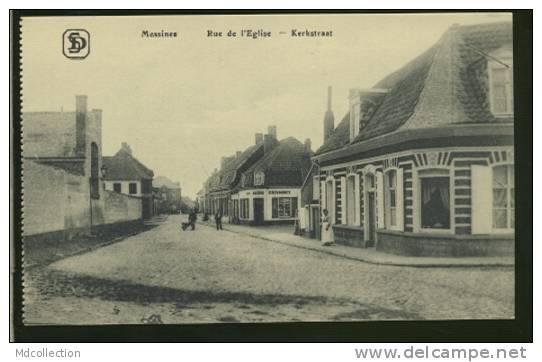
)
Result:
{"points": [[275, 208], [481, 199], [399, 204], [380, 200], [357, 219], [343, 200]]}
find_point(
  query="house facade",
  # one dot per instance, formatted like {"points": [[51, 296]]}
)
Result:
{"points": [[270, 190], [126, 175], [423, 163], [219, 187], [170, 199]]}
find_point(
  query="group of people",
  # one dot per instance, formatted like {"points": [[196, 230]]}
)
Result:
{"points": [[193, 217], [327, 230]]}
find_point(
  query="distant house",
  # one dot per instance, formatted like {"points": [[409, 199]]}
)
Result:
{"points": [[126, 175], [220, 185], [423, 163], [269, 191], [171, 194]]}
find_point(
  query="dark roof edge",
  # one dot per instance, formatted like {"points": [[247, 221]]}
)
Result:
{"points": [[457, 130]]}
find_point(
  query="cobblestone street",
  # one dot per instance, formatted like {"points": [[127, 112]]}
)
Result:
{"points": [[165, 275]]}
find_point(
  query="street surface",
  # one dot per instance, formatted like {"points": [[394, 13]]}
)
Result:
{"points": [[165, 275]]}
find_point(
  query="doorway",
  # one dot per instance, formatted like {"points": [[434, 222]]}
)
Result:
{"points": [[258, 211], [371, 219]]}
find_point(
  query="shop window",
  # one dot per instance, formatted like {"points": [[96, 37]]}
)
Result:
{"points": [[283, 207], [435, 199], [391, 199], [243, 210], [117, 187], [503, 197], [132, 188], [501, 87]]}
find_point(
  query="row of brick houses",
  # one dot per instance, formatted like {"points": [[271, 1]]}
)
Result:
{"points": [[260, 185], [423, 163], [69, 187]]}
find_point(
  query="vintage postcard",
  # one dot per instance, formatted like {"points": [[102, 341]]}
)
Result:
{"points": [[188, 169]]}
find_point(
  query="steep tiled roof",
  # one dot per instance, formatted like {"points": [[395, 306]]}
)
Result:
{"points": [[286, 165], [229, 174], [124, 166], [442, 86]]}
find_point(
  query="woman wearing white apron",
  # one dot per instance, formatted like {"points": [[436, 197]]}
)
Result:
{"points": [[327, 230]]}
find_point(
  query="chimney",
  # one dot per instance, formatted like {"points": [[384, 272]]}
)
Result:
{"points": [[80, 125], [329, 119], [268, 143], [258, 138], [272, 131], [238, 154], [125, 147], [308, 145], [223, 162]]}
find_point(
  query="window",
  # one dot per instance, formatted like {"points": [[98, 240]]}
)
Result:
{"points": [[284, 207], [315, 188], [117, 187], [435, 199], [350, 200], [94, 169], [259, 178], [391, 198], [132, 188], [243, 211], [330, 199], [503, 197], [501, 87]]}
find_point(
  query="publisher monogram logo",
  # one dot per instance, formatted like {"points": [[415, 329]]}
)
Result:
{"points": [[76, 43]]}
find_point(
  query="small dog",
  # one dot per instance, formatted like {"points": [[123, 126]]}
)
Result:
{"points": [[184, 225]]}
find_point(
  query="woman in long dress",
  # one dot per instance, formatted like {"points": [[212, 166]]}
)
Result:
{"points": [[327, 230]]}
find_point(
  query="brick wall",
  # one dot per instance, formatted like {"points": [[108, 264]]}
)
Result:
{"points": [[56, 200]]}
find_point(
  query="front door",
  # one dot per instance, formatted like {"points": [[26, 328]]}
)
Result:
{"points": [[258, 211], [371, 218], [315, 223]]}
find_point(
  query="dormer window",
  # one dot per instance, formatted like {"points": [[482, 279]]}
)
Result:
{"points": [[355, 112], [259, 178], [363, 102], [501, 84]]}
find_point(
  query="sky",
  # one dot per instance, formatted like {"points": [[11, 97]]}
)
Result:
{"points": [[183, 103]]}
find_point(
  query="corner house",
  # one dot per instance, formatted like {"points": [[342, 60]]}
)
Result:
{"points": [[269, 191], [423, 164]]}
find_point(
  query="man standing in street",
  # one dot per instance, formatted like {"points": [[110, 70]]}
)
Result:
{"points": [[192, 219], [218, 220]]}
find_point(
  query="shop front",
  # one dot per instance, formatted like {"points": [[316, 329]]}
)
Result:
{"points": [[266, 206]]}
